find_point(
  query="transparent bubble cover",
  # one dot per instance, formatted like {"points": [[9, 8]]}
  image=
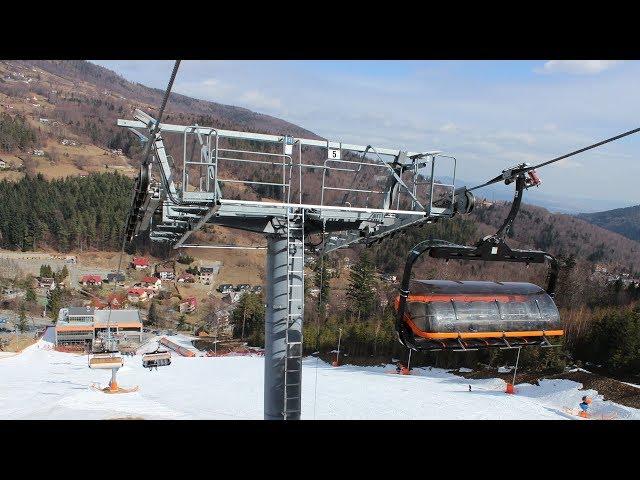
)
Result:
{"points": [[444, 306]]}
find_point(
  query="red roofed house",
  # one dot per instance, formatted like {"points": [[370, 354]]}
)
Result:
{"points": [[135, 295], [186, 277], [140, 263], [97, 303], [115, 300], [189, 305], [152, 282], [91, 280]]}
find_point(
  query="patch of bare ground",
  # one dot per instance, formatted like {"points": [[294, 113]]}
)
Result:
{"points": [[610, 388]]}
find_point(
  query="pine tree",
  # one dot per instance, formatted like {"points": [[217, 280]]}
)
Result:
{"points": [[55, 303], [248, 318], [31, 294], [152, 317], [321, 280], [62, 274], [361, 291], [22, 324], [46, 271]]}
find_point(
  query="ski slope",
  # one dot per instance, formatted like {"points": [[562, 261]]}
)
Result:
{"points": [[41, 383]]}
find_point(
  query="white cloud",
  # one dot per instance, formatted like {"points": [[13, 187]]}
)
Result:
{"points": [[486, 122], [577, 67], [449, 127], [260, 101], [568, 163]]}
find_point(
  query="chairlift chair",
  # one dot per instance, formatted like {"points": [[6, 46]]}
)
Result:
{"points": [[157, 358], [106, 354], [105, 361], [471, 315]]}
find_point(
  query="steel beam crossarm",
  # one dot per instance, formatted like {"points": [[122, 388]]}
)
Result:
{"points": [[197, 227], [170, 128], [395, 175]]}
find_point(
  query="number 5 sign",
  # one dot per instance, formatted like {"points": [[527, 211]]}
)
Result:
{"points": [[334, 154]]}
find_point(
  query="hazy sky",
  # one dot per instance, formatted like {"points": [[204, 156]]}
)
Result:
{"points": [[488, 114]]}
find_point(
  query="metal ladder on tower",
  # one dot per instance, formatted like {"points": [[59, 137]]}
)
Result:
{"points": [[295, 304]]}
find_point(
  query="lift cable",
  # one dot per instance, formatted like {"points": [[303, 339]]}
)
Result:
{"points": [[124, 229], [156, 126], [516, 171]]}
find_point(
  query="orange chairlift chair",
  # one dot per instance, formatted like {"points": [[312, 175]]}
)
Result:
{"points": [[470, 315]]}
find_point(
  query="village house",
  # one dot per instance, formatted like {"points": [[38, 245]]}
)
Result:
{"points": [[164, 273], [208, 273], [92, 280], [189, 305], [151, 282], [98, 304], [140, 263], [38, 153], [115, 300], [3, 164], [46, 282], [222, 316], [137, 294], [186, 278], [151, 292], [232, 297], [117, 278]]}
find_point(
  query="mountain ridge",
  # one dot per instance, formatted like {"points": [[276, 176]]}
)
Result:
{"points": [[624, 221]]}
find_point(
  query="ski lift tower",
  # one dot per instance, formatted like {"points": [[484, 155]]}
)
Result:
{"points": [[288, 189]]}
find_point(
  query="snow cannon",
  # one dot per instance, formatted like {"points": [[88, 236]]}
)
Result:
{"points": [[437, 315], [510, 389]]}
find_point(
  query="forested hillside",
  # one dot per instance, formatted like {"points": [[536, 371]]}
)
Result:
{"points": [[564, 235], [72, 214], [625, 221], [15, 133]]}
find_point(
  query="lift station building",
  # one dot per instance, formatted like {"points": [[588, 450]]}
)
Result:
{"points": [[78, 325]]}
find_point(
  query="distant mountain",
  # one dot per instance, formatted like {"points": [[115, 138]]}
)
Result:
{"points": [[536, 196], [625, 221]]}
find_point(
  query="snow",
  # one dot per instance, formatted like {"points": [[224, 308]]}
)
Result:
{"points": [[631, 384], [41, 383]]}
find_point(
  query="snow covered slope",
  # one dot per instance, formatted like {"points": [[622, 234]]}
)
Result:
{"points": [[41, 383]]}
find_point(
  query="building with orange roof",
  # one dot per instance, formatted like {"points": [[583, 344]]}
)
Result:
{"points": [[78, 325]]}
